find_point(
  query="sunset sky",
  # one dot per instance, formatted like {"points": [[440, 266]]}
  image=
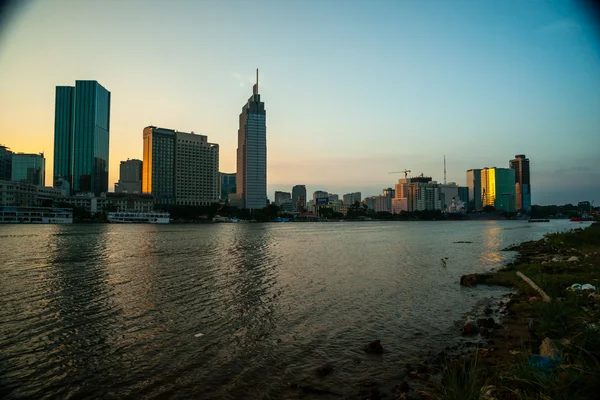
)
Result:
{"points": [[353, 89]]}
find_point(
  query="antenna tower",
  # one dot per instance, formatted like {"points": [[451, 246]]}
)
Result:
{"points": [[444, 169]]}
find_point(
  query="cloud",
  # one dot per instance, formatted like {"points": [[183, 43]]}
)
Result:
{"points": [[562, 27]]}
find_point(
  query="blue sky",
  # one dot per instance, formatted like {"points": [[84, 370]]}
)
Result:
{"points": [[353, 89]]}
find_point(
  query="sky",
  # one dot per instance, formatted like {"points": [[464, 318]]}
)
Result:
{"points": [[353, 89]]}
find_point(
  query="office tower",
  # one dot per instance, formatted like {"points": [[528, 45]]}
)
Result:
{"points": [[522, 182], [449, 194], [197, 180], [463, 194], [332, 197], [6, 157], [227, 185], [130, 177], [474, 185], [282, 197], [158, 165], [180, 168], [29, 168], [423, 194], [320, 197], [351, 198], [251, 177], [498, 188], [81, 136], [299, 197]]}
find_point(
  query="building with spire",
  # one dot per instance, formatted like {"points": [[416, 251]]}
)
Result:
{"points": [[251, 175]]}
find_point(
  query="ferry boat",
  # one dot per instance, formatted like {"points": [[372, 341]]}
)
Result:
{"points": [[127, 217], [35, 215]]}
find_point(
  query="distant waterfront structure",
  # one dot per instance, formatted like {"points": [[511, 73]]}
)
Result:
{"points": [[522, 182], [423, 194], [463, 194], [5, 163], [180, 168], [299, 198], [130, 177], [474, 185], [352, 198], [332, 197], [282, 197], [251, 175], [81, 136], [498, 188], [26, 194], [227, 185]]}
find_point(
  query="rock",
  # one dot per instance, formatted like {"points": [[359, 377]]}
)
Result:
{"points": [[573, 259], [549, 349], [403, 387], [422, 369], [416, 375], [374, 347], [324, 370], [486, 323], [488, 311], [469, 329], [469, 280]]}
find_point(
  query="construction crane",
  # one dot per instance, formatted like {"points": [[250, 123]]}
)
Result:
{"points": [[405, 172]]}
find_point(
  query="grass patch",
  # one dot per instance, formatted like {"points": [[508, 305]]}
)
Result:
{"points": [[462, 380]]}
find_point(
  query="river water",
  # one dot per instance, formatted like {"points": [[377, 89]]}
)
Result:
{"points": [[227, 311]]}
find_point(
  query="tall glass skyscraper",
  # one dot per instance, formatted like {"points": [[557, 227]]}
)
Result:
{"points": [[81, 136], [251, 176], [5, 163]]}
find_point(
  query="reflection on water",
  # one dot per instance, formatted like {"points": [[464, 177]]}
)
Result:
{"points": [[115, 311]]}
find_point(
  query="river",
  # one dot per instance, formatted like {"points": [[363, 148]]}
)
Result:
{"points": [[226, 311]]}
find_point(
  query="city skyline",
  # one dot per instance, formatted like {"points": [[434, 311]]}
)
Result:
{"points": [[534, 91]]}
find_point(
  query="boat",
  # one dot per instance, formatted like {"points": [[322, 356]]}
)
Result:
{"points": [[538, 220], [35, 215], [130, 217], [581, 219]]}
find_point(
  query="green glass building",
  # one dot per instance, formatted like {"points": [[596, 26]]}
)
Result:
{"points": [[29, 168], [81, 136]]}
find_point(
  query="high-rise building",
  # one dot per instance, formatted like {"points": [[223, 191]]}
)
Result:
{"points": [[81, 136], [474, 185], [423, 194], [320, 197], [498, 188], [130, 177], [227, 185], [463, 194], [351, 198], [299, 197], [180, 168], [331, 197], [29, 168], [522, 182], [449, 195], [251, 177], [158, 166], [6, 157], [197, 180], [282, 197]]}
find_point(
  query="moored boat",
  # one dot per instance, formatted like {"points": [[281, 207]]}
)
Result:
{"points": [[35, 215], [128, 217]]}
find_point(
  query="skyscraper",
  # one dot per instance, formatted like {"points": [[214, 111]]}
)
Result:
{"points": [[352, 198], [474, 185], [29, 168], [81, 136], [522, 182], [180, 168], [498, 188], [299, 197], [130, 177], [251, 176], [282, 197]]}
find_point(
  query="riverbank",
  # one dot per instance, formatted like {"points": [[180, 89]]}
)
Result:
{"points": [[541, 349]]}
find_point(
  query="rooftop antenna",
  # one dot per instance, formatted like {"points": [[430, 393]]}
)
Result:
{"points": [[256, 86], [444, 169]]}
